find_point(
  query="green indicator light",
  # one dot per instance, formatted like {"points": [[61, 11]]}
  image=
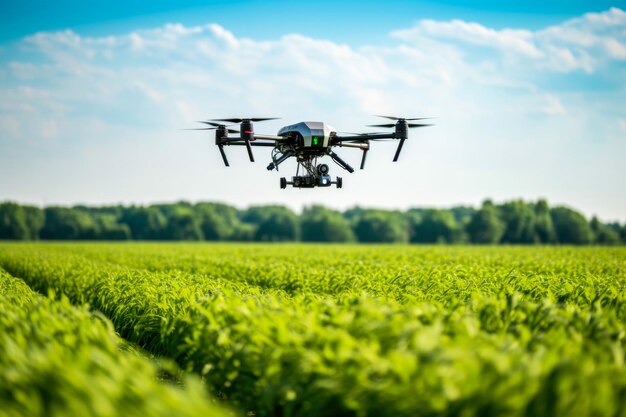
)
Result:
{"points": [[314, 140]]}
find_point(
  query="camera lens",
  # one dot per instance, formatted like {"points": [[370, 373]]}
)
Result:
{"points": [[322, 169]]}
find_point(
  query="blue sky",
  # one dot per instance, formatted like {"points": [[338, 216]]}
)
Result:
{"points": [[528, 97], [344, 21]]}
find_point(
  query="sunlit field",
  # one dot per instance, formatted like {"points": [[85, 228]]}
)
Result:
{"points": [[312, 330]]}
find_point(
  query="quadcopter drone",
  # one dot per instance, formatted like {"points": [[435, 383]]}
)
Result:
{"points": [[307, 142]]}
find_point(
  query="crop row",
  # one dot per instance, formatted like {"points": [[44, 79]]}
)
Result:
{"points": [[464, 343], [440, 275], [59, 360]]}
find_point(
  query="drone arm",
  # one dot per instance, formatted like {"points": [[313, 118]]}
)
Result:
{"points": [[238, 142], [268, 137], [366, 136], [363, 146], [340, 161], [338, 140]]}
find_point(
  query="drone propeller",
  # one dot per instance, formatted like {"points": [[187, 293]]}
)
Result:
{"points": [[409, 125], [250, 119], [402, 118], [246, 132], [210, 123], [214, 128], [402, 132]]}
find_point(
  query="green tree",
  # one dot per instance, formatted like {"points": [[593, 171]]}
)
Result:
{"points": [[519, 221], [603, 234], [485, 227], [13, 224], [273, 223], [172, 208], [108, 227], [462, 214], [354, 214], [34, 221], [571, 227], [319, 224], [68, 224], [145, 223], [213, 225], [544, 227], [222, 222], [434, 226], [381, 227], [183, 225]]}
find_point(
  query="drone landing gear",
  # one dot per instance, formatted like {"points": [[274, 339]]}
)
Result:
{"points": [[311, 181]]}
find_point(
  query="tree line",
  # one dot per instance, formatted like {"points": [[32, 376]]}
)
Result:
{"points": [[512, 222]]}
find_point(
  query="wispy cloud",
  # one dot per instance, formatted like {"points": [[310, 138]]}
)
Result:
{"points": [[584, 43]]}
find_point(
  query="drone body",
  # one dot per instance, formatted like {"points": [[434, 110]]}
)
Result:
{"points": [[306, 141]]}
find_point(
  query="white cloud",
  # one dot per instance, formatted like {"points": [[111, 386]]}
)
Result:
{"points": [[136, 42], [553, 106], [615, 49], [49, 129], [224, 35], [584, 43], [519, 41], [612, 17]]}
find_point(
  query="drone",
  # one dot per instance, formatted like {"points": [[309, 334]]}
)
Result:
{"points": [[307, 142]]}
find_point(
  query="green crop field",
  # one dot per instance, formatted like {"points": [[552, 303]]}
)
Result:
{"points": [[311, 330]]}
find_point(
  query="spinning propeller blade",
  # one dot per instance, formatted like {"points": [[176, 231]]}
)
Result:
{"points": [[409, 125], [214, 128], [251, 119], [210, 123], [402, 118], [412, 125]]}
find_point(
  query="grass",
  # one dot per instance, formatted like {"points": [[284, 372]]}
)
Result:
{"points": [[362, 330]]}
